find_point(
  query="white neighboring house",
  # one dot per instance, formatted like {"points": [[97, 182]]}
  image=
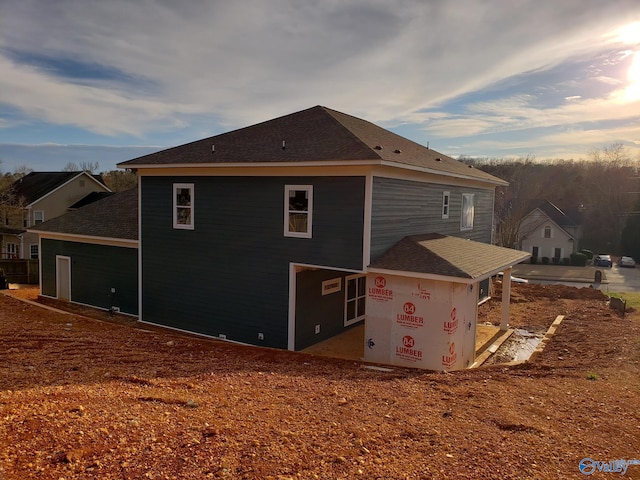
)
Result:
{"points": [[547, 231]]}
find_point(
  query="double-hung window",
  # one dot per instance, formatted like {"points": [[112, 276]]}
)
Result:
{"points": [[547, 232], [445, 204], [298, 210], [466, 219], [183, 206], [355, 296], [38, 217]]}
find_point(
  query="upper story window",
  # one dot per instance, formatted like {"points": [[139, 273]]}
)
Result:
{"points": [[547, 232], [298, 210], [445, 204], [183, 205], [466, 220], [38, 217]]}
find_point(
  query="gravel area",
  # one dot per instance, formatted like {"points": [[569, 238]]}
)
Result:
{"points": [[87, 395]]}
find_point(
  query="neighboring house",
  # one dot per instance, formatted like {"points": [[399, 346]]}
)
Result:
{"points": [[547, 231], [264, 235], [36, 198], [90, 255]]}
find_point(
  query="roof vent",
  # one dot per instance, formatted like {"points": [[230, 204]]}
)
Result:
{"points": [[213, 148], [378, 147], [397, 150], [438, 159], [284, 145], [470, 166]]}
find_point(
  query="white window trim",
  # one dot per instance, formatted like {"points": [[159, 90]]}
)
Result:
{"points": [[446, 204], [356, 319], [31, 250], [544, 229], [183, 226], [35, 212], [309, 190], [464, 227]]}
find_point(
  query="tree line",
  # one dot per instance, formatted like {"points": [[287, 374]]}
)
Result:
{"points": [[602, 193]]}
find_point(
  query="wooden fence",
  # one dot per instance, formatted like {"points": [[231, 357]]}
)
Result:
{"points": [[21, 271]]}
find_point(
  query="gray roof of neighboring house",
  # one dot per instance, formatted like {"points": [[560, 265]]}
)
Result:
{"points": [[90, 198], [438, 254], [556, 214], [36, 185], [115, 216], [317, 134]]}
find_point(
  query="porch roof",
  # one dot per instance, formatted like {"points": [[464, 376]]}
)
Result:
{"points": [[446, 258]]}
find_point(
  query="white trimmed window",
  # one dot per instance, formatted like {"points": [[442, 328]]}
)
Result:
{"points": [[466, 220], [12, 250], [547, 232], [38, 217], [183, 206], [445, 204], [298, 210], [355, 296], [33, 251]]}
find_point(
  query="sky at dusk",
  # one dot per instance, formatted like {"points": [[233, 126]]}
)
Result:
{"points": [[107, 81]]}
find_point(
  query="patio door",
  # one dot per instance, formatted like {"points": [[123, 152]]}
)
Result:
{"points": [[63, 278]]}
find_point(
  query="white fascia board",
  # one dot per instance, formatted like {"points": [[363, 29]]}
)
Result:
{"points": [[498, 182], [70, 237], [322, 163]]}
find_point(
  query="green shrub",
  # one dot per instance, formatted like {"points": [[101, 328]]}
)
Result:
{"points": [[578, 259], [566, 261], [533, 260], [545, 260], [556, 260], [587, 253]]}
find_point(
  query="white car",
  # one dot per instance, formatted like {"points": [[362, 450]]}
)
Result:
{"points": [[513, 279], [626, 262]]}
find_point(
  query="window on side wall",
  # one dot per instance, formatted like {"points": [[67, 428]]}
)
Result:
{"points": [[33, 251], [298, 210], [547, 232], [466, 221], [38, 217], [183, 206], [355, 295], [445, 204]]}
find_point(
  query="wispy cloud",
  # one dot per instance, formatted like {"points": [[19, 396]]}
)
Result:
{"points": [[142, 69]]}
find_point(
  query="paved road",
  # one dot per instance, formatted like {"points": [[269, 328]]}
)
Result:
{"points": [[614, 279]]}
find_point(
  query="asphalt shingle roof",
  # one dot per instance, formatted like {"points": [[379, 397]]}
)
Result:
{"points": [[36, 185], [447, 256], [115, 216], [317, 134]]}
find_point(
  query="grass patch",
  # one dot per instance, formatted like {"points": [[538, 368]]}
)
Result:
{"points": [[632, 298], [592, 376]]}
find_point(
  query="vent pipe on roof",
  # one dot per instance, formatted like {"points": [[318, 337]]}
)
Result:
{"points": [[427, 145], [284, 145], [213, 148], [378, 147], [438, 159], [397, 150]]}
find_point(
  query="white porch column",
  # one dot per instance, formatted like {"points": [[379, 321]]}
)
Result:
{"points": [[506, 298]]}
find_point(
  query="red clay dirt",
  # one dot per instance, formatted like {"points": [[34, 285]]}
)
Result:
{"points": [[82, 398]]}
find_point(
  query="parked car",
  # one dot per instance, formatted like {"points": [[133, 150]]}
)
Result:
{"points": [[603, 261], [626, 262]]}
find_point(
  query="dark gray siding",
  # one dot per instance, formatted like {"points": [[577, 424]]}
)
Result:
{"points": [[95, 270], [230, 275], [402, 207], [313, 308]]}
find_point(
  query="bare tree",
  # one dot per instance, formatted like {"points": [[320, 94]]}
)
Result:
{"points": [[85, 166]]}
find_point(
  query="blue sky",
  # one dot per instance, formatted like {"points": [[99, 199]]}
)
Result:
{"points": [[107, 81]]}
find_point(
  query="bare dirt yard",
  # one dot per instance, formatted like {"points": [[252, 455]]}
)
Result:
{"points": [[82, 398]]}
